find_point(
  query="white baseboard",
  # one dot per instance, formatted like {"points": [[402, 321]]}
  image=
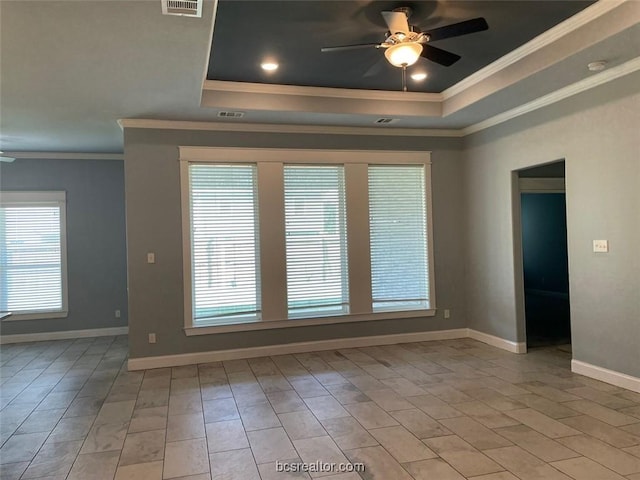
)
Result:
{"points": [[508, 345], [64, 335], [599, 373], [288, 348], [144, 363], [605, 375]]}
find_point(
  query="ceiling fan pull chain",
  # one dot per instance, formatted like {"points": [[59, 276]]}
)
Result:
{"points": [[404, 79]]}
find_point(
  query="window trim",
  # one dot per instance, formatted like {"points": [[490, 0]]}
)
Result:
{"points": [[44, 197], [275, 315]]}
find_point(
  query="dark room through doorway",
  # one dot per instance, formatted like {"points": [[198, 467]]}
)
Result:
{"points": [[545, 255]]}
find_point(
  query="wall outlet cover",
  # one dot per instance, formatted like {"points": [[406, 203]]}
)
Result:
{"points": [[601, 246]]}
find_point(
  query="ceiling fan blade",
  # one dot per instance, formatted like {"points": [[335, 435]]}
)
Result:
{"points": [[377, 68], [349, 47], [457, 29], [397, 22], [439, 56]]}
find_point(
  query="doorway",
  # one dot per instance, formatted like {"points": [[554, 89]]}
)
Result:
{"points": [[545, 255]]}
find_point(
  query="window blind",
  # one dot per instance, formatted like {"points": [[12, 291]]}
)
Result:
{"points": [[224, 243], [316, 242], [31, 258], [398, 236]]}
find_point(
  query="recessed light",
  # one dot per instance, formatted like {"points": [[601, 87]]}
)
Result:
{"points": [[597, 66], [269, 66], [418, 77]]}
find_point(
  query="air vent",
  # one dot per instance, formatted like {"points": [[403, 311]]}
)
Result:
{"points": [[183, 8], [386, 121], [231, 114]]}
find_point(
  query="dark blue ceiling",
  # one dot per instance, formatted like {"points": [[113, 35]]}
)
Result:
{"points": [[292, 33]]}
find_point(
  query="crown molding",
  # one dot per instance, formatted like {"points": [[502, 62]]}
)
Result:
{"points": [[285, 128], [65, 155], [565, 92], [550, 37], [580, 19], [297, 90], [546, 100], [205, 60]]}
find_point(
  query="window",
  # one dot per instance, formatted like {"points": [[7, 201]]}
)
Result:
{"points": [[398, 232], [316, 241], [224, 255], [281, 237], [33, 266]]}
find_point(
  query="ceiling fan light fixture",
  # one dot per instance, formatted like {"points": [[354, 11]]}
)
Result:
{"points": [[403, 54]]}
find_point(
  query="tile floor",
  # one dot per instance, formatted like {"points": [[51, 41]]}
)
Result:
{"points": [[447, 410]]}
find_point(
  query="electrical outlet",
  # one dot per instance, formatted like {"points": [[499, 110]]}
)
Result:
{"points": [[117, 313], [152, 338], [151, 257], [601, 246], [447, 313]]}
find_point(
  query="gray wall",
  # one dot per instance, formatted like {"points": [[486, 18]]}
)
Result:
{"points": [[154, 224], [96, 249], [596, 133]]}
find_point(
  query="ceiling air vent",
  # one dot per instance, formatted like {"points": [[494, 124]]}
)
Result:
{"points": [[183, 8], [386, 121], [231, 114]]}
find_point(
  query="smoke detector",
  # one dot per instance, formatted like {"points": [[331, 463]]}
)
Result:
{"points": [[182, 8], [597, 66]]}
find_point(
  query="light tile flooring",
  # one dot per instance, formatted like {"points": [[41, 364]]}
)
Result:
{"points": [[445, 410]]}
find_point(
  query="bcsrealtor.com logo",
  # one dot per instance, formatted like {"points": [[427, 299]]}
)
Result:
{"points": [[318, 467]]}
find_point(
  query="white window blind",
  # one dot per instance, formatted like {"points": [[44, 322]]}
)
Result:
{"points": [[33, 253], [316, 241], [224, 243], [398, 236]]}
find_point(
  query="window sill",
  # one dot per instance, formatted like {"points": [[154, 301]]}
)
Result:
{"points": [[15, 317], [265, 325]]}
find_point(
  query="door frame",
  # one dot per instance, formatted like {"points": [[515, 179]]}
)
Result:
{"points": [[518, 187]]}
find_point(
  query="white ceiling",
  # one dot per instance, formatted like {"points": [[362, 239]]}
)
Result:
{"points": [[70, 69]]}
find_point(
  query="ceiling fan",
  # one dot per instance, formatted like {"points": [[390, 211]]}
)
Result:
{"points": [[405, 44]]}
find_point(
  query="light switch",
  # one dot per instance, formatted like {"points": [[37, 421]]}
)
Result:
{"points": [[151, 257], [601, 246]]}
